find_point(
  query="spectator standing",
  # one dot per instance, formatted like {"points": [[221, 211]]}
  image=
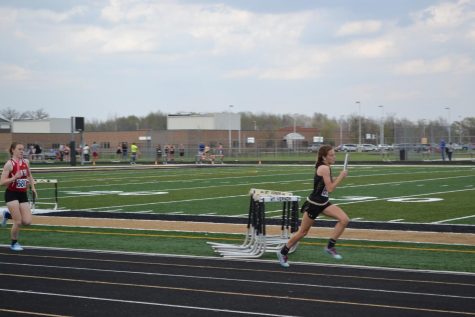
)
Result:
{"points": [[450, 150], [118, 151], [124, 150], [158, 154], [442, 149], [95, 152], [181, 151], [133, 153], [85, 152]]}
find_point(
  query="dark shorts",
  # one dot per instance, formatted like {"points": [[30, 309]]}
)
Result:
{"points": [[10, 195], [313, 210]]}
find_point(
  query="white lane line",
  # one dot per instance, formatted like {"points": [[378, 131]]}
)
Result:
{"points": [[140, 302], [226, 279], [448, 220], [396, 220]]}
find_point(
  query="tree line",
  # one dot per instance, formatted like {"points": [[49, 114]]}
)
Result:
{"points": [[396, 130]]}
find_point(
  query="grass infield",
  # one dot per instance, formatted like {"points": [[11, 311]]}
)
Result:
{"points": [[382, 254]]}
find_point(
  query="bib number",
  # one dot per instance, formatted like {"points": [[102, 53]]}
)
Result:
{"points": [[324, 192], [21, 183]]}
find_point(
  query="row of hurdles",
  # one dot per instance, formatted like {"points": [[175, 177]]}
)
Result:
{"points": [[256, 241]]}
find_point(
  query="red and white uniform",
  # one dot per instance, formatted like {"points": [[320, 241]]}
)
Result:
{"points": [[21, 184]]}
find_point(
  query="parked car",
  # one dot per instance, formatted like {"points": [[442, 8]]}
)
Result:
{"points": [[314, 147], [348, 148], [367, 147], [384, 147], [468, 147]]}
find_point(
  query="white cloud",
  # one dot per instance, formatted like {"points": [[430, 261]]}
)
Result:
{"points": [[376, 48], [446, 14], [452, 64], [359, 28], [10, 72]]}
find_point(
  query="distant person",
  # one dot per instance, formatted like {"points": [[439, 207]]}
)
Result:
{"points": [[61, 152], [118, 151], [181, 152], [450, 150], [442, 149], [67, 149], [172, 153], [85, 152], [167, 153], [16, 175], [95, 152], [133, 153], [124, 150], [318, 202], [158, 154]]}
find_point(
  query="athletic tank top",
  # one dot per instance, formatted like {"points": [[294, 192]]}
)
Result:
{"points": [[319, 194], [21, 184]]}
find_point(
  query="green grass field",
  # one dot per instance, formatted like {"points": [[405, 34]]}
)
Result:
{"points": [[421, 194]]}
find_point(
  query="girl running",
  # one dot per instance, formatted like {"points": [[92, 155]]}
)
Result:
{"points": [[16, 176], [318, 202]]}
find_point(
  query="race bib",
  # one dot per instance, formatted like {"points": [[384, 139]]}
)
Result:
{"points": [[324, 192], [21, 183]]}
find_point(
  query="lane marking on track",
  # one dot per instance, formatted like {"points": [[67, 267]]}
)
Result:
{"points": [[254, 281], [29, 313], [240, 269], [143, 303], [227, 293]]}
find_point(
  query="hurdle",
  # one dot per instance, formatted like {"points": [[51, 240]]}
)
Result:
{"points": [[256, 241], [33, 200]]}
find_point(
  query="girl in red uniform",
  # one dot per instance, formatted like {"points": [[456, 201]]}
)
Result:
{"points": [[17, 177]]}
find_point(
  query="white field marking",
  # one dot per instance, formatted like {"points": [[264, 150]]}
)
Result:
{"points": [[403, 182], [354, 198], [237, 177], [236, 196], [358, 218], [143, 212], [226, 279], [420, 185], [444, 185], [469, 185], [176, 212], [396, 220], [408, 196], [283, 182], [448, 220], [267, 212], [207, 214], [141, 303], [414, 200]]}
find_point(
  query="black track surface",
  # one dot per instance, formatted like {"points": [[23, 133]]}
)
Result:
{"points": [[83, 283]]}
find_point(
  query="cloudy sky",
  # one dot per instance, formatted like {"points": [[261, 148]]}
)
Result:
{"points": [[105, 58]]}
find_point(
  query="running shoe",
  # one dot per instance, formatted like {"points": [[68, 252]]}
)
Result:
{"points": [[282, 259], [16, 247], [333, 253], [5, 218]]}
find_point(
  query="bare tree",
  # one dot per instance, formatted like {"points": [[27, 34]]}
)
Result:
{"points": [[9, 114], [12, 114]]}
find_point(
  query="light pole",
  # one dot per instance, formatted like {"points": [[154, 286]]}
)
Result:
{"points": [[229, 128], [359, 122], [381, 126], [341, 130], [448, 123]]}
